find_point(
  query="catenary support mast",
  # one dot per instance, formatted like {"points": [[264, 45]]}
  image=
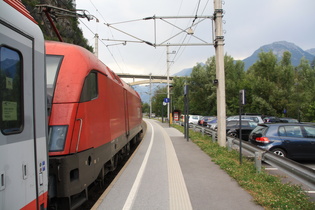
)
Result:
{"points": [[220, 72]]}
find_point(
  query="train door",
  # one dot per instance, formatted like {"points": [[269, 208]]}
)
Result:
{"points": [[126, 112], [23, 154]]}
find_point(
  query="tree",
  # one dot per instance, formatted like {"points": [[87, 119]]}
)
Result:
{"points": [[261, 80], [313, 64], [157, 101], [145, 108], [200, 88], [234, 76], [304, 92], [285, 83], [271, 86], [177, 93]]}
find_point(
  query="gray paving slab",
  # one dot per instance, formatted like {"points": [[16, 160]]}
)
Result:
{"points": [[209, 187], [174, 174]]}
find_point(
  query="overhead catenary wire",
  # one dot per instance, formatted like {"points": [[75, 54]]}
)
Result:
{"points": [[104, 45], [178, 53], [176, 57], [66, 5], [110, 52], [122, 58]]}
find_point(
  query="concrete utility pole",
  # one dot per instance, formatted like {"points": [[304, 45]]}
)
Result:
{"points": [[96, 45], [219, 54]]}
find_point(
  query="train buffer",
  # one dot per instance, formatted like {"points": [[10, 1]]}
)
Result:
{"points": [[169, 172]]}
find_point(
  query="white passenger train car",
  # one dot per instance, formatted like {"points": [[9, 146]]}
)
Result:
{"points": [[23, 146]]}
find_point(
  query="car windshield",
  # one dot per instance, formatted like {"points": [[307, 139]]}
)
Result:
{"points": [[251, 118], [259, 129], [246, 123], [292, 120], [252, 124]]}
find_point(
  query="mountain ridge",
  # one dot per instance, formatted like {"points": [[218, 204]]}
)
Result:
{"points": [[278, 48]]}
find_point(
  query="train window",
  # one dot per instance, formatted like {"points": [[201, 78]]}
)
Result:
{"points": [[90, 90], [11, 81]]}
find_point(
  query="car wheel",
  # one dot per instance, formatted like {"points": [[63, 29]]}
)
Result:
{"points": [[233, 135], [279, 152]]}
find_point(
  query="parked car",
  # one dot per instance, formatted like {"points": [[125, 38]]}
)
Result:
{"points": [[212, 124], [256, 118], [204, 120], [288, 120], [193, 119], [292, 140], [271, 119], [233, 128]]}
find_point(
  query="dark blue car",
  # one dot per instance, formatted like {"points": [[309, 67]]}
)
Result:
{"points": [[295, 141]]}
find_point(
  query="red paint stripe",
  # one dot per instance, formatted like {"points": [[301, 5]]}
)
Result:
{"points": [[42, 200], [17, 4]]}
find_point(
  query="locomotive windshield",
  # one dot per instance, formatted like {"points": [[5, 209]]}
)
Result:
{"points": [[53, 63], [52, 67]]}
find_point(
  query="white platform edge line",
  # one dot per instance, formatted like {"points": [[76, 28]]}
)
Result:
{"points": [[134, 190], [102, 197]]}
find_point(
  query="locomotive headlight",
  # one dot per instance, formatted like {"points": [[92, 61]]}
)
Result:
{"points": [[56, 138]]}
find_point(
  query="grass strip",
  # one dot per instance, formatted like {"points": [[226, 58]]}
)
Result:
{"points": [[266, 189]]}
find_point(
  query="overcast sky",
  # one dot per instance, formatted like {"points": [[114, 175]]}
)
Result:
{"points": [[248, 25]]}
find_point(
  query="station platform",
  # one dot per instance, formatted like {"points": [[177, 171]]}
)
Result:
{"points": [[169, 172]]}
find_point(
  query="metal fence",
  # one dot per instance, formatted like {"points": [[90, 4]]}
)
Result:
{"points": [[302, 173]]}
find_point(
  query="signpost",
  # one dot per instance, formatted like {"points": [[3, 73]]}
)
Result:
{"points": [[165, 102], [242, 102], [186, 111]]}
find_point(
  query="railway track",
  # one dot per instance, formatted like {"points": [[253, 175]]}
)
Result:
{"points": [[97, 188]]}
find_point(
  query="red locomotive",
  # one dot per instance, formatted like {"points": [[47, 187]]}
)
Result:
{"points": [[93, 116]]}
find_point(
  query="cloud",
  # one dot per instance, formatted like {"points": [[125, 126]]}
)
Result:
{"points": [[249, 25]]}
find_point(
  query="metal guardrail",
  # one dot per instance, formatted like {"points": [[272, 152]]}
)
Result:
{"points": [[302, 173]]}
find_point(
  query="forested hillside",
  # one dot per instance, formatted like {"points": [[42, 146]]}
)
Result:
{"points": [[67, 26], [274, 88]]}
